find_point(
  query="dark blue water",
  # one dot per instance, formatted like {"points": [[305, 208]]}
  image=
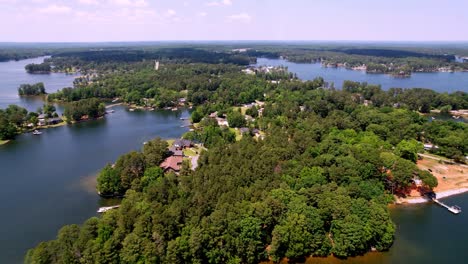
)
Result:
{"points": [[49, 180], [439, 81]]}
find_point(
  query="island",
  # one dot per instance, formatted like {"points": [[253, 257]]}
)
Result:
{"points": [[41, 68], [31, 89]]}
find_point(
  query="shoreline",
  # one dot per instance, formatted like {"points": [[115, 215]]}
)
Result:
{"points": [[439, 195]]}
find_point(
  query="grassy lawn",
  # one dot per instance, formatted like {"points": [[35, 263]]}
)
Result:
{"points": [[4, 141], [56, 125], [242, 109], [190, 152], [170, 142], [238, 134]]}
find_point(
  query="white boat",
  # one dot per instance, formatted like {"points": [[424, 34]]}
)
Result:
{"points": [[131, 109], [107, 208], [455, 209], [110, 111], [36, 132]]}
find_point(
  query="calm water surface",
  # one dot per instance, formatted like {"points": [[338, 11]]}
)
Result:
{"points": [[440, 81], [13, 74], [49, 180]]}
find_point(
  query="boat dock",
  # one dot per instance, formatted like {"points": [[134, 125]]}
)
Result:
{"points": [[454, 209], [107, 208]]}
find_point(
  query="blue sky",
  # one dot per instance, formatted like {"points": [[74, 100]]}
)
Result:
{"points": [[153, 20]]}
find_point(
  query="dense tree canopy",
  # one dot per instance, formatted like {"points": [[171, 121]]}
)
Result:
{"points": [[318, 183], [32, 89]]}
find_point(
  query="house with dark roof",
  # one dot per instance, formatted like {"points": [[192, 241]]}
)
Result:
{"points": [[180, 144], [55, 120], [244, 130], [176, 152]]}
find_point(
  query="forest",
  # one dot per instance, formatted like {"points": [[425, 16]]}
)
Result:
{"points": [[31, 89], [84, 109], [318, 184]]}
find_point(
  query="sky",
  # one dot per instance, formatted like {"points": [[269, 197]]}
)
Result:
{"points": [[159, 20]]}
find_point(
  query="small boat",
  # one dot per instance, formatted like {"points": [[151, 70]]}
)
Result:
{"points": [[455, 209], [131, 109], [36, 132], [110, 111], [174, 109], [456, 117], [433, 118], [107, 208]]}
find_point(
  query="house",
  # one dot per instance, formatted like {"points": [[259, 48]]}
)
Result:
{"points": [[180, 144], [176, 152], [182, 101], [214, 114], [222, 121], [260, 111], [42, 116], [54, 121], [244, 130], [42, 122], [430, 146], [173, 163], [257, 134], [249, 118]]}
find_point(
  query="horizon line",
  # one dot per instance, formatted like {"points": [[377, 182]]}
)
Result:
{"points": [[244, 40]]}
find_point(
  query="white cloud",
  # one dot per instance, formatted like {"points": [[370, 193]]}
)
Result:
{"points": [[202, 14], [133, 3], [219, 3], [55, 9], [171, 12], [242, 17], [88, 2]]}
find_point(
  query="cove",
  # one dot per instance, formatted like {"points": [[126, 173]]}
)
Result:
{"points": [[437, 81]]}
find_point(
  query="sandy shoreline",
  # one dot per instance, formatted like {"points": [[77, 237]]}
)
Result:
{"points": [[419, 200]]}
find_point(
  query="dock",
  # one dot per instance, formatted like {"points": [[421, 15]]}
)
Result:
{"points": [[453, 209], [107, 208]]}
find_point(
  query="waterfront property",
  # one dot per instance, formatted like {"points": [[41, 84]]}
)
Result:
{"points": [[172, 164]]}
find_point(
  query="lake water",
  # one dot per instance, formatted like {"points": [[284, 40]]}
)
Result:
{"points": [[49, 180], [13, 74], [439, 81]]}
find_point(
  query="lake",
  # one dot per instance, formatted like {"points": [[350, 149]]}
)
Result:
{"points": [[438, 81], [49, 180], [13, 74]]}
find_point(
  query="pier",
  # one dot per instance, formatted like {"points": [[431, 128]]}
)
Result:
{"points": [[454, 209]]}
